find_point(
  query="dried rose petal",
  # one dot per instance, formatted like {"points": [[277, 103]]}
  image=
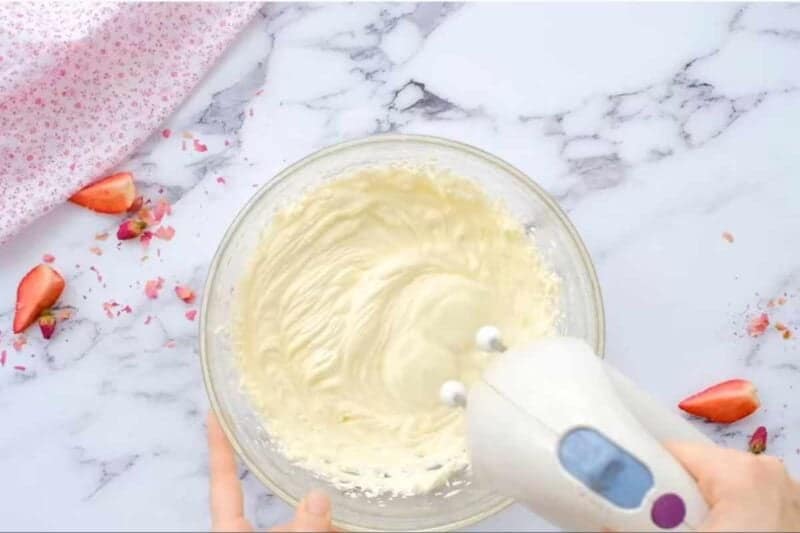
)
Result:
{"points": [[185, 293], [21, 368], [191, 314], [758, 325], [165, 232], [787, 334], [147, 320], [200, 147], [130, 229], [162, 208], [758, 441], [145, 239], [221, 180], [152, 287], [48, 258], [108, 308], [19, 342], [166, 133], [146, 216]]}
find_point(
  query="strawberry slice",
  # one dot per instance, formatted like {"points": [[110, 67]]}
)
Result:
{"points": [[38, 290], [113, 194], [725, 402]]}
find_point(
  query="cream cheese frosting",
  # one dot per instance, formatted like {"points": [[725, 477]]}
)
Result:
{"points": [[361, 300]]}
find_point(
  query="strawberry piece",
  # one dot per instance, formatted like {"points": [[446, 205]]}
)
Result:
{"points": [[758, 441], [136, 205], [113, 194], [47, 323], [725, 402], [38, 290]]}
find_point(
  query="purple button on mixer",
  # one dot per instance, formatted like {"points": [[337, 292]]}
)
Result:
{"points": [[668, 511]]}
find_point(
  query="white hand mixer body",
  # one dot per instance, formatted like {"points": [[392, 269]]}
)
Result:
{"points": [[558, 430]]}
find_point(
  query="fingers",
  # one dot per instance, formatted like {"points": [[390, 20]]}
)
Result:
{"points": [[313, 514], [227, 506]]}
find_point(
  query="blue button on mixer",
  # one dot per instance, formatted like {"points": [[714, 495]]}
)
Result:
{"points": [[605, 468]]}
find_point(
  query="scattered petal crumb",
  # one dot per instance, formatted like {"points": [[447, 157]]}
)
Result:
{"points": [[191, 314], [147, 320], [780, 326], [728, 236], [64, 314], [787, 334], [221, 180], [101, 236], [3, 358], [97, 272], [162, 208], [758, 325], [48, 258], [126, 309], [183, 145], [185, 293], [152, 287], [19, 342], [145, 239], [187, 135], [108, 308], [21, 368], [200, 147], [165, 233], [166, 132], [96, 250], [259, 92], [780, 301], [170, 344]]}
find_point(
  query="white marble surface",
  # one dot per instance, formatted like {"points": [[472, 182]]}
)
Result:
{"points": [[657, 127]]}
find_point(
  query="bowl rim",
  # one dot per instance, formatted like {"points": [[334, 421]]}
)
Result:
{"points": [[325, 152]]}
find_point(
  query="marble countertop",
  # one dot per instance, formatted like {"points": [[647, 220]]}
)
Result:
{"points": [[657, 127]]}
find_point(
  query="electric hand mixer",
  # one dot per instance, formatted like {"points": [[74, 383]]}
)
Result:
{"points": [[555, 428]]}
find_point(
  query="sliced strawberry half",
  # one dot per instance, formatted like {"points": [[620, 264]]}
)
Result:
{"points": [[38, 290], [113, 194], [725, 402]]}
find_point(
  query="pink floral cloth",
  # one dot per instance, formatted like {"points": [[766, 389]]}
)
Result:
{"points": [[81, 85]]}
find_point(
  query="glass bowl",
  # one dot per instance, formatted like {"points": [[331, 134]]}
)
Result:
{"points": [[560, 247]]}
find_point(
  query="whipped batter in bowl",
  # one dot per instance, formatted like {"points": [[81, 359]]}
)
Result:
{"points": [[264, 437], [361, 300]]}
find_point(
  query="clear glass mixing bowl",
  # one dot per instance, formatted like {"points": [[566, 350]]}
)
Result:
{"points": [[556, 239]]}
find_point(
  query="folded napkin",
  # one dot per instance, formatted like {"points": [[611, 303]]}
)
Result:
{"points": [[83, 84]]}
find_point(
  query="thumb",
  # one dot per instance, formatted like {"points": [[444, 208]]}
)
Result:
{"points": [[703, 462], [313, 513]]}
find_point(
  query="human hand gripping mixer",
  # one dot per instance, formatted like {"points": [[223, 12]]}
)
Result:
{"points": [[554, 427]]}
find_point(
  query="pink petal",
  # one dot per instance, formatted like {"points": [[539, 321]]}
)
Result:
{"points": [[152, 287], [221, 180], [185, 293], [165, 232], [200, 147], [3, 358], [191, 314], [162, 208], [48, 258], [19, 342], [166, 133], [758, 325], [145, 239]]}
